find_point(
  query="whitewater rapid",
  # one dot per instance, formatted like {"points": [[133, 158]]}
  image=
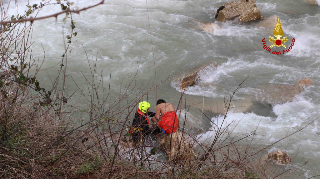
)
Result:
{"points": [[138, 37]]}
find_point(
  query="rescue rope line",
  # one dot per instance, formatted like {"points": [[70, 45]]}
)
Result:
{"points": [[154, 61]]}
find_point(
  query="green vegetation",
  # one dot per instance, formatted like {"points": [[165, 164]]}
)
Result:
{"points": [[252, 175], [90, 166]]}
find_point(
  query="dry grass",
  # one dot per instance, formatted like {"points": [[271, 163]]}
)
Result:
{"points": [[43, 136]]}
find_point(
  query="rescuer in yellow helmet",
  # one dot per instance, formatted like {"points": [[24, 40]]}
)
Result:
{"points": [[140, 124]]}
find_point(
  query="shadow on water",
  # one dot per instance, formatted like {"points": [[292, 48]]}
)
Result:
{"points": [[262, 109], [258, 108]]}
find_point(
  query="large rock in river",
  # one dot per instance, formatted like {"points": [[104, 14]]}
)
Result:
{"points": [[219, 106], [279, 157], [281, 93], [269, 23], [209, 27], [193, 77], [246, 10], [205, 26], [261, 104], [313, 2]]}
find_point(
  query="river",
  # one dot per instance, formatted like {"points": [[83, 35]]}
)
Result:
{"points": [[156, 42]]}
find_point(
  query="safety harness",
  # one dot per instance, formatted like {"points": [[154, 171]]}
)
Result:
{"points": [[144, 116]]}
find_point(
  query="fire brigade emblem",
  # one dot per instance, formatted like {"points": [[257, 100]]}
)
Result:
{"points": [[278, 33]]}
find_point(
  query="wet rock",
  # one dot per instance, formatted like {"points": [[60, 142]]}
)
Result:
{"points": [[279, 157], [209, 27], [313, 2], [281, 93], [245, 10], [304, 83], [220, 106], [193, 78], [204, 26], [269, 23], [216, 107], [177, 146]]}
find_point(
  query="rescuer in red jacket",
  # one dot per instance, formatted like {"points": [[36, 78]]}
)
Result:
{"points": [[140, 124]]}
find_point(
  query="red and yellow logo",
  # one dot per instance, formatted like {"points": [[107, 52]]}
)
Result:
{"points": [[277, 40]]}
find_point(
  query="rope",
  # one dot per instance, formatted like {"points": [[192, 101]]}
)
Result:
{"points": [[154, 61]]}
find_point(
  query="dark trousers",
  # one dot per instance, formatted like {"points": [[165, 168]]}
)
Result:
{"points": [[138, 137]]}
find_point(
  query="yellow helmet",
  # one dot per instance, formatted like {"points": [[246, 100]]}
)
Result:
{"points": [[144, 106]]}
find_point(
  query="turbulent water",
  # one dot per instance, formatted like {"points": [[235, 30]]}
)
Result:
{"points": [[129, 37]]}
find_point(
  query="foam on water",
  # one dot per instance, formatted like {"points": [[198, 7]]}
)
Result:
{"points": [[151, 4], [117, 35], [210, 76], [305, 45], [202, 91], [266, 6], [233, 28], [305, 31], [288, 110], [238, 64], [291, 117], [239, 123]]}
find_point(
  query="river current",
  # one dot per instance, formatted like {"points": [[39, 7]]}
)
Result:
{"points": [[155, 41]]}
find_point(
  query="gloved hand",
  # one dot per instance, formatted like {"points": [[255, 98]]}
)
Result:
{"points": [[151, 114]]}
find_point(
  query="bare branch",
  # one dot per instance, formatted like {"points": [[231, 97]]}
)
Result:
{"points": [[52, 15]]}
